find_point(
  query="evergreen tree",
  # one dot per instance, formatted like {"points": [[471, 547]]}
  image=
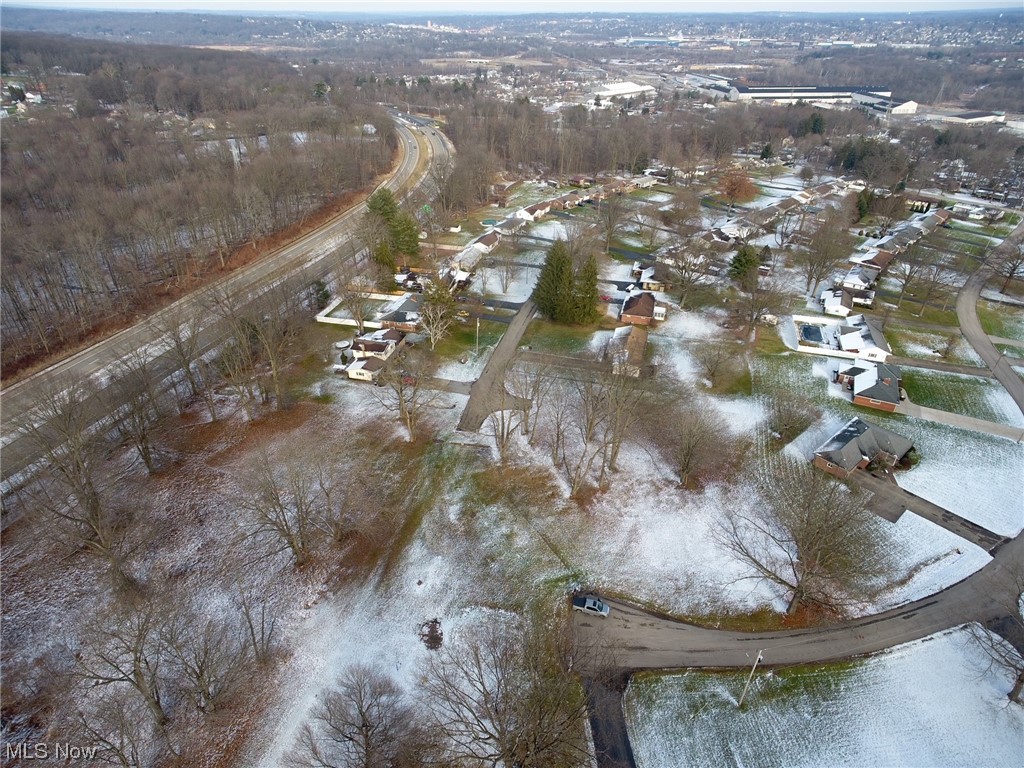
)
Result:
{"points": [[382, 202], [405, 234], [585, 297], [553, 292], [743, 268]]}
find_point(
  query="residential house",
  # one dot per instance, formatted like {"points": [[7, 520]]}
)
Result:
{"points": [[641, 309], [645, 277], [489, 241], [565, 202], [852, 338], [406, 316], [857, 445], [876, 259], [626, 350], [365, 369], [859, 278], [364, 348], [874, 385], [837, 302]]}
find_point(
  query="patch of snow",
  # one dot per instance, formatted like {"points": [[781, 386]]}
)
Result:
{"points": [[932, 557], [935, 701]]}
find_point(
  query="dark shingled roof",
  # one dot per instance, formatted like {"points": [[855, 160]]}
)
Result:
{"points": [[859, 439]]}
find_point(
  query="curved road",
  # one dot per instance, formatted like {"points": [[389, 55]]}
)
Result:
{"points": [[635, 639], [300, 263], [970, 325]]}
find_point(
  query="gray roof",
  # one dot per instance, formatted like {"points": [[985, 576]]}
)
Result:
{"points": [[886, 386], [859, 439]]}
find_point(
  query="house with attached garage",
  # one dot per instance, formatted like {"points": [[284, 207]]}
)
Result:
{"points": [[641, 309], [858, 444], [874, 385]]}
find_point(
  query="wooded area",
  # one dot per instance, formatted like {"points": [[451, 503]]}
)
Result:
{"points": [[166, 160]]}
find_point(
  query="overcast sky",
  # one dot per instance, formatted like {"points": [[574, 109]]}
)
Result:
{"points": [[435, 6]]}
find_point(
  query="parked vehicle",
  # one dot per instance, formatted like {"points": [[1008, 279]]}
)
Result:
{"points": [[592, 605]]}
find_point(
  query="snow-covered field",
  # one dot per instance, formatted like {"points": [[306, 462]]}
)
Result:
{"points": [[928, 703]]}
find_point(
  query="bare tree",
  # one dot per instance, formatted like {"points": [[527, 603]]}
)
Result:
{"points": [[402, 389], [258, 625], [119, 726], [718, 361], [285, 501], [688, 270], [504, 697], [210, 658], [612, 215], [508, 267], [437, 314], [504, 423], [623, 398], [694, 438], [68, 433], [908, 270], [829, 246], [646, 221], [761, 296], [1002, 638], [1009, 263], [126, 649], [353, 290], [530, 381], [887, 211], [363, 722], [181, 330], [811, 536], [136, 403], [581, 239], [786, 227]]}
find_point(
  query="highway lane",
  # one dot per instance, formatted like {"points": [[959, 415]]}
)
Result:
{"points": [[297, 264]]}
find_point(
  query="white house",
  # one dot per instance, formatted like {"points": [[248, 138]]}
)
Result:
{"points": [[365, 369]]}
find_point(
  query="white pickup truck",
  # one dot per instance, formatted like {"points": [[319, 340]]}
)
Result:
{"points": [[590, 605]]}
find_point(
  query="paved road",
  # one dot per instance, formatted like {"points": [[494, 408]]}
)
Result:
{"points": [[488, 393], [967, 314], [638, 639], [296, 265]]}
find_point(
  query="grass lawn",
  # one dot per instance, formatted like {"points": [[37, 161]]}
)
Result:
{"points": [[952, 347], [952, 392], [912, 310], [544, 336], [463, 337], [1001, 320]]}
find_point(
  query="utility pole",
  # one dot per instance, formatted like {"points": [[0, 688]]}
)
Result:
{"points": [[749, 678], [478, 337]]}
